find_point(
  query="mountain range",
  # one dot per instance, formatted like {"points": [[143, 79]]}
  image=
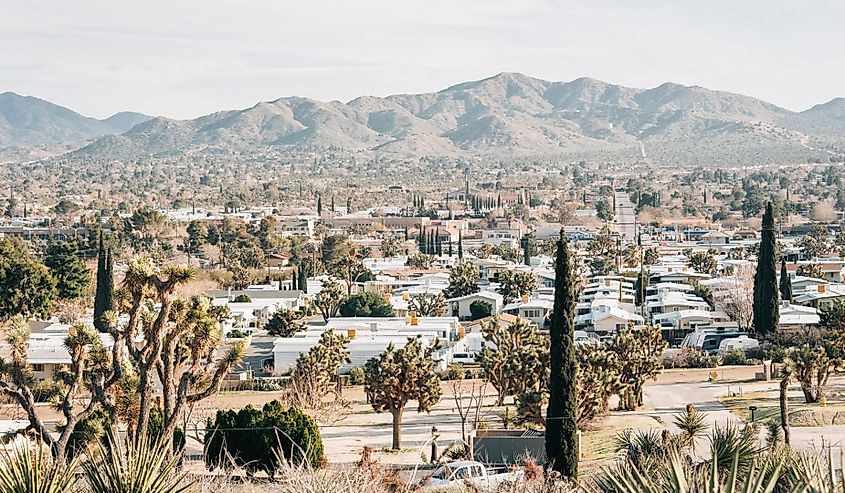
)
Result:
{"points": [[507, 115]]}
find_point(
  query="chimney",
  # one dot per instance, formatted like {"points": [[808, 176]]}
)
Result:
{"points": [[822, 288]]}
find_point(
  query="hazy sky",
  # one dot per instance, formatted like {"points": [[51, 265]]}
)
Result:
{"points": [[182, 58]]}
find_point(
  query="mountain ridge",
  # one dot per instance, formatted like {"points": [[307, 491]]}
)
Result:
{"points": [[507, 115]]}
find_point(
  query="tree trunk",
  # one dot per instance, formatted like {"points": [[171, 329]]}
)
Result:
{"points": [[397, 427], [784, 410]]}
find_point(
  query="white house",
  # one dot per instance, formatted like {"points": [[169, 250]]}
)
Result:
{"points": [[460, 305], [371, 336], [536, 309]]}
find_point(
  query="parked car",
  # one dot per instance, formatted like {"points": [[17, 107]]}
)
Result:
{"points": [[469, 473]]}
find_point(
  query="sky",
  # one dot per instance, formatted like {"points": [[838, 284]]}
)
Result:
{"points": [[186, 58]]}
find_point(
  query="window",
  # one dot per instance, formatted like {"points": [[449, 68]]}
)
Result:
{"points": [[37, 367]]}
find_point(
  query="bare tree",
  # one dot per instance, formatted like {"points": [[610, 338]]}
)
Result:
{"points": [[469, 402], [737, 297]]}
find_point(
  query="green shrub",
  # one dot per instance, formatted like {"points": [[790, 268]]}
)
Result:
{"points": [[735, 357], [480, 309], [455, 371], [256, 440], [242, 298], [356, 376], [700, 359], [46, 390], [236, 334], [366, 304]]}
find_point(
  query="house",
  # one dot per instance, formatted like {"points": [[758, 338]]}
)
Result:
{"points": [[503, 236], [535, 308], [714, 238], [296, 225], [461, 305], [821, 297], [279, 260], [796, 317], [370, 336], [258, 305]]}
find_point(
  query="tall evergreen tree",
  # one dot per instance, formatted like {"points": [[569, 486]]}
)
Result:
{"points": [[526, 251], [319, 205], [460, 246], [104, 294], [332, 203], [561, 430], [450, 248], [438, 245], [785, 283], [766, 312]]}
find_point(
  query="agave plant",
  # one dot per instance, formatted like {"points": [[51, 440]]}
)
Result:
{"points": [[25, 471], [134, 466]]}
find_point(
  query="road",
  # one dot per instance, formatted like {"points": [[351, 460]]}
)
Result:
{"points": [[626, 218], [666, 400]]}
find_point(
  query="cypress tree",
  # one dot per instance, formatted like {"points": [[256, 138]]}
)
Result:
{"points": [[103, 297], [294, 283], [766, 311], [785, 283], [438, 244], [303, 277], [406, 233], [561, 436], [526, 251], [450, 249], [421, 240], [460, 246], [332, 203], [319, 205]]}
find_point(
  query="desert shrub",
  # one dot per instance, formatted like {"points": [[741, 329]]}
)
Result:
{"points": [[356, 376], [242, 298], [236, 334], [736, 357], [258, 440], [46, 390], [692, 359]]}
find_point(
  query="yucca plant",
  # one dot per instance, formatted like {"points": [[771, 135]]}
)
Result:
{"points": [[33, 471], [678, 476], [692, 425], [134, 466]]}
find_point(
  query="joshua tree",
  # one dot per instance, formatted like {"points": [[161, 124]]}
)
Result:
{"points": [[397, 376]]}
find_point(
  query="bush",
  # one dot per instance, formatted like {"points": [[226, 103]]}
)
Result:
{"points": [[480, 309], [46, 390], [700, 359], [692, 359], [455, 371], [263, 385], [735, 357], [356, 376], [254, 439], [366, 305], [236, 334], [242, 298]]}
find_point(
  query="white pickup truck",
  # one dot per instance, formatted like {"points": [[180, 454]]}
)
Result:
{"points": [[473, 473]]}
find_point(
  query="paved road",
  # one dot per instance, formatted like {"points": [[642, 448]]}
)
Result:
{"points": [[666, 400], [626, 218]]}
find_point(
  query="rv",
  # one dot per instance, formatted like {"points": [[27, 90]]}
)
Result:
{"points": [[709, 339]]}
